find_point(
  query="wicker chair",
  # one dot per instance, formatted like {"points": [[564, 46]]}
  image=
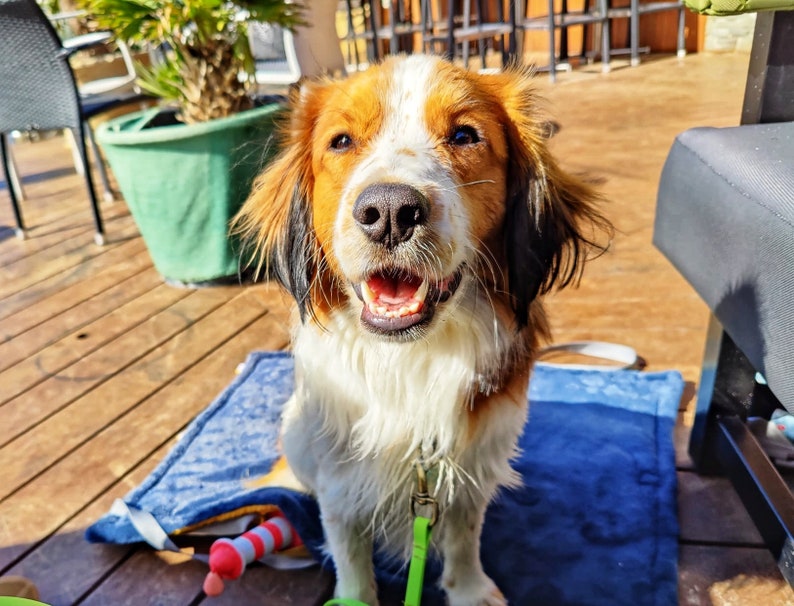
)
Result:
{"points": [[38, 92]]}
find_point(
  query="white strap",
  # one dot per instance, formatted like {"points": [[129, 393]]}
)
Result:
{"points": [[151, 532], [625, 356], [149, 529]]}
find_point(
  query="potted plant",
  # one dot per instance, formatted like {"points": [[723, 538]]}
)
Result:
{"points": [[186, 167]]}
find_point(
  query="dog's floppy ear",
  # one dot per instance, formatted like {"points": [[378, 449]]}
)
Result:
{"points": [[276, 220], [552, 221]]}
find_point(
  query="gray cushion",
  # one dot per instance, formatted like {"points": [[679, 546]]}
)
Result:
{"points": [[725, 218]]}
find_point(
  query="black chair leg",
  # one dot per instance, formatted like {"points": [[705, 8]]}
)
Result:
{"points": [[79, 136], [5, 158], [727, 382], [722, 442], [107, 192]]}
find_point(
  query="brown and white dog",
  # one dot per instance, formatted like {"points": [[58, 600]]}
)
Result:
{"points": [[415, 215]]}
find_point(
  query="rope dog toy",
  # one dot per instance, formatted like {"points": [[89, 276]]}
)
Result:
{"points": [[229, 557]]}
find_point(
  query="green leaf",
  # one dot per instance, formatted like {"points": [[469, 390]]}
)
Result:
{"points": [[184, 28]]}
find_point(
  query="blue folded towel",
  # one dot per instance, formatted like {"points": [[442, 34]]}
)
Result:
{"points": [[595, 522]]}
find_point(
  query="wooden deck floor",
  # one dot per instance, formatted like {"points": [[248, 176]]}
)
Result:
{"points": [[102, 365]]}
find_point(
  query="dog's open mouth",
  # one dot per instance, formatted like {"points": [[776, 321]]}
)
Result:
{"points": [[395, 301]]}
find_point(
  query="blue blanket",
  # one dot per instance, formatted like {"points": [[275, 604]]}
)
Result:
{"points": [[595, 522]]}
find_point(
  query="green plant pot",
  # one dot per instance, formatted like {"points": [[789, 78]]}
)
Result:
{"points": [[183, 183]]}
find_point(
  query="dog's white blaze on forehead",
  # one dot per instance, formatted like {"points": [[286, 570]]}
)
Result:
{"points": [[405, 124], [400, 150]]}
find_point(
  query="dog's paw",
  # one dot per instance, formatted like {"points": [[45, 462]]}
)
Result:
{"points": [[368, 596], [473, 592]]}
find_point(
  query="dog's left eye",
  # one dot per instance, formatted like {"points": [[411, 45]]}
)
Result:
{"points": [[341, 142], [463, 135]]}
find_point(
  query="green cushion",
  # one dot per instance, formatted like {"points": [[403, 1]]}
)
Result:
{"points": [[735, 7]]}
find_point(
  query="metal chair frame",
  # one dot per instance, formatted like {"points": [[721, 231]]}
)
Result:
{"points": [[39, 92]]}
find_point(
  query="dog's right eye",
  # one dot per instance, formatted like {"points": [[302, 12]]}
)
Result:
{"points": [[463, 135], [341, 142]]}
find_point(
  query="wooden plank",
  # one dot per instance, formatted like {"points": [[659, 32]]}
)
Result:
{"points": [[58, 207], [94, 275], [177, 580], [57, 261], [32, 307], [710, 511], [83, 340], [166, 412], [262, 585], [90, 562], [65, 322], [31, 514], [55, 407], [56, 230], [722, 576], [60, 388]]}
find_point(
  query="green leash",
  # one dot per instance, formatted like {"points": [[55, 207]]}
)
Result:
{"points": [[423, 528], [416, 571]]}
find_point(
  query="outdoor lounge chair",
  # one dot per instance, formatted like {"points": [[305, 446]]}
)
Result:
{"points": [[725, 218], [38, 92]]}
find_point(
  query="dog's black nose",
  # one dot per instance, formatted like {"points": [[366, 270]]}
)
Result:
{"points": [[389, 212]]}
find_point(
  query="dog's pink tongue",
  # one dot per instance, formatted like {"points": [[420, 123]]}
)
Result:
{"points": [[392, 290]]}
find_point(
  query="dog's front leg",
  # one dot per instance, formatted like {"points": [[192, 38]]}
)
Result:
{"points": [[351, 549], [463, 579]]}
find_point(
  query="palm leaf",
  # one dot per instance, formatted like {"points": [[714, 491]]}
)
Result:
{"points": [[206, 45]]}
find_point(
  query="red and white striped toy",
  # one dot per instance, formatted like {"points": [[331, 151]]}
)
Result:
{"points": [[228, 557]]}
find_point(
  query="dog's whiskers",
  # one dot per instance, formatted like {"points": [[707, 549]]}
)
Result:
{"points": [[479, 182]]}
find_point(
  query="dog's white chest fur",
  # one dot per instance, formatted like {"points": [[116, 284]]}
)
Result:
{"points": [[365, 409]]}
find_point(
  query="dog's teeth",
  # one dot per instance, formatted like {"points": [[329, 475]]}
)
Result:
{"points": [[367, 294], [421, 293], [375, 306]]}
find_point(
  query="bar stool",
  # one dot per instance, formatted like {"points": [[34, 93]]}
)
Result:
{"points": [[399, 24], [562, 20], [462, 26]]}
